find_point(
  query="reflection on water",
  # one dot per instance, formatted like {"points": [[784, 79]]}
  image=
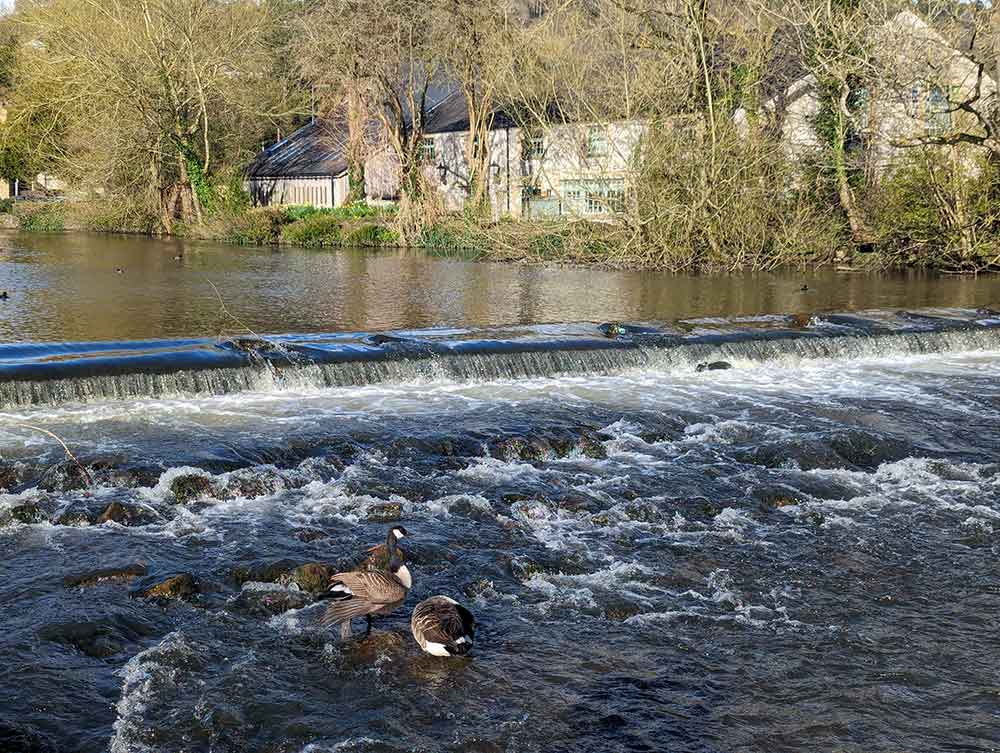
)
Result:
{"points": [[64, 287]]}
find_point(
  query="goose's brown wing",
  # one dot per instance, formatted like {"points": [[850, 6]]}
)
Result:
{"points": [[440, 621], [359, 593]]}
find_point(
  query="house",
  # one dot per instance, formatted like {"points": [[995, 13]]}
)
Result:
{"points": [[563, 168], [307, 168], [912, 99], [566, 168]]}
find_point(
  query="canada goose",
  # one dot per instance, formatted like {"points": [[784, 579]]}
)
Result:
{"points": [[804, 289], [119, 270], [363, 593], [443, 627], [4, 296], [179, 257]]}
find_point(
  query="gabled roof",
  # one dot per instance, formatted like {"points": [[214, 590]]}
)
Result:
{"points": [[451, 115], [314, 151]]}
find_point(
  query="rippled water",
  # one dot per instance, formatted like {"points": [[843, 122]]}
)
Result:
{"points": [[796, 553]]}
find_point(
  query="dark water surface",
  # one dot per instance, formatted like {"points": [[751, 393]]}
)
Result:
{"points": [[797, 553]]}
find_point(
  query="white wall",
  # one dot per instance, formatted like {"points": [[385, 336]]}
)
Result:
{"points": [[583, 169]]}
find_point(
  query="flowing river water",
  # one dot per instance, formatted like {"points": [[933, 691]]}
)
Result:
{"points": [[799, 552]]}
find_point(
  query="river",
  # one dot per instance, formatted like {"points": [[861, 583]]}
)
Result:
{"points": [[798, 552]]}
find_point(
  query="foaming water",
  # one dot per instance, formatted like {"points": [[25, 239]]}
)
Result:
{"points": [[794, 553]]}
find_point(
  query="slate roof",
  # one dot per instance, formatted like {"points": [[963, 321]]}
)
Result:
{"points": [[314, 151]]}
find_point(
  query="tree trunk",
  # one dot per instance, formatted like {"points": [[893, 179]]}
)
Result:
{"points": [[859, 228], [357, 124]]}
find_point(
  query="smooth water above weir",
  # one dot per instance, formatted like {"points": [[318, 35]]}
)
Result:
{"points": [[798, 552], [64, 288]]}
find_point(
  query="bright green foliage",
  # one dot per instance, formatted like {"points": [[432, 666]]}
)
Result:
{"points": [[311, 229]]}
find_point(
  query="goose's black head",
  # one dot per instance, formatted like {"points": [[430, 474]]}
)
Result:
{"points": [[395, 534]]}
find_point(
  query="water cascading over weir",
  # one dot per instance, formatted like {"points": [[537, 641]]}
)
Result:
{"points": [[47, 374]]}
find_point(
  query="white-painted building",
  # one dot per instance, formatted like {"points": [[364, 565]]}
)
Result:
{"points": [[911, 99]]}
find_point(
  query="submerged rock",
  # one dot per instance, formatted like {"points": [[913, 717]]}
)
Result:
{"points": [[172, 587], [713, 366], [268, 599], [190, 487], [309, 535], [121, 574], [99, 638], [611, 330]]}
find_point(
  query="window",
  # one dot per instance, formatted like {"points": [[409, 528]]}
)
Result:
{"points": [[594, 196], [427, 152], [597, 143], [937, 112], [532, 145]]}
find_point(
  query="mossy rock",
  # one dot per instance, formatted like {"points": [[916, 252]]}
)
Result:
{"points": [[262, 572], [169, 588], [190, 487], [385, 512], [269, 601], [27, 512], [313, 577]]}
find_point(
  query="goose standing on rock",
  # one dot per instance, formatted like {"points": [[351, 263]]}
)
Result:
{"points": [[443, 627], [363, 593]]}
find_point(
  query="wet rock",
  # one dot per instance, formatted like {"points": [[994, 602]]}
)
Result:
{"points": [[644, 512], [385, 512], [268, 599], [11, 477], [815, 517], [123, 514], [313, 577], [253, 484], [269, 571], [170, 588], [714, 366], [75, 514], [309, 535], [27, 512], [476, 588], [122, 574], [67, 477], [611, 330], [190, 487], [18, 738], [772, 502], [620, 610], [592, 447], [520, 448]]}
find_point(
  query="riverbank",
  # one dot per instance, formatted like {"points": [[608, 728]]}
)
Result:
{"points": [[619, 245]]}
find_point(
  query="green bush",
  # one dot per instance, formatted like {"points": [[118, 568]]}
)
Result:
{"points": [[255, 227], [44, 219], [372, 236], [6, 206], [312, 229], [355, 211]]}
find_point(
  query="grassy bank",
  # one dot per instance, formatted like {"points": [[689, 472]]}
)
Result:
{"points": [[797, 238]]}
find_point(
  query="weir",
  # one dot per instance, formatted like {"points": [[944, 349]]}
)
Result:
{"points": [[40, 374]]}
